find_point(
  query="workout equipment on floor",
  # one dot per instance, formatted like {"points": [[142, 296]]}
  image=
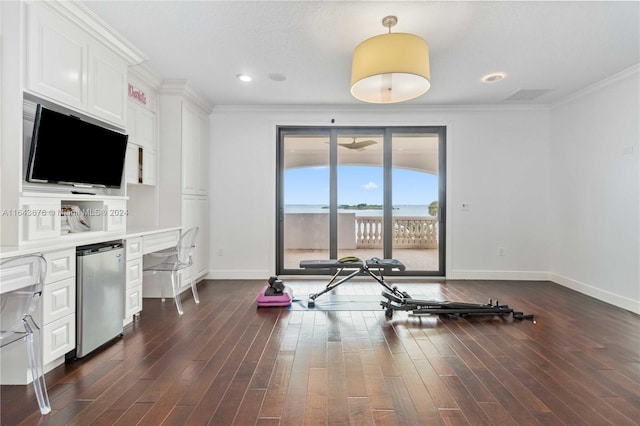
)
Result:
{"points": [[449, 309], [360, 268], [275, 293], [396, 300]]}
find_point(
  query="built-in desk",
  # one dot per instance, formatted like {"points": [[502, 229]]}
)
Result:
{"points": [[153, 240], [138, 243], [56, 314]]}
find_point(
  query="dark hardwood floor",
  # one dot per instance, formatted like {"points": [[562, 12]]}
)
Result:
{"points": [[227, 362]]}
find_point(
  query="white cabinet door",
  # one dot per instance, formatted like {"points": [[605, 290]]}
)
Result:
{"points": [[188, 213], [107, 85], [58, 338], [202, 220], [59, 300], [133, 163], [132, 122], [116, 215], [56, 58], [134, 272], [195, 212], [133, 248], [133, 302], [141, 126], [42, 220], [145, 128], [61, 265], [190, 141], [149, 160], [202, 178]]}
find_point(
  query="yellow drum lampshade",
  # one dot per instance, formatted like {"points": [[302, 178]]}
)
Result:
{"points": [[390, 68]]}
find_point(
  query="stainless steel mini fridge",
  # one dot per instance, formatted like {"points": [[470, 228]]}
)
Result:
{"points": [[100, 286]]}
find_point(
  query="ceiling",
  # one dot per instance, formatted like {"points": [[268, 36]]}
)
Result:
{"points": [[547, 48]]}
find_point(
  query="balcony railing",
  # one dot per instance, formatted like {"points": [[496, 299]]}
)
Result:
{"points": [[408, 232], [305, 231]]}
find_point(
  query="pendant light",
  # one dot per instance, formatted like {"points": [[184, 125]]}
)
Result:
{"points": [[389, 68]]}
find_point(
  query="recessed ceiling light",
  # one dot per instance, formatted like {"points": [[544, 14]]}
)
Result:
{"points": [[277, 77], [492, 78], [244, 77]]}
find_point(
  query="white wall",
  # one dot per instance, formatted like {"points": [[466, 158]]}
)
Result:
{"points": [[497, 162], [595, 191]]}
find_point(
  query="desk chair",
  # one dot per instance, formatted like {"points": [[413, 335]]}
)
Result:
{"points": [[16, 307], [175, 260]]}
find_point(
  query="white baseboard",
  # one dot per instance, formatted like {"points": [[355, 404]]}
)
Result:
{"points": [[238, 274], [498, 275], [603, 295]]}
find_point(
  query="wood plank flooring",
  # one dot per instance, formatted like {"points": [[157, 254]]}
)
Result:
{"points": [[226, 362]]}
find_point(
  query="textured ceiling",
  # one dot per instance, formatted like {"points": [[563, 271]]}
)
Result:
{"points": [[556, 48]]}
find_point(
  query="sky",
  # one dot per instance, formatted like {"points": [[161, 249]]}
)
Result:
{"points": [[358, 184]]}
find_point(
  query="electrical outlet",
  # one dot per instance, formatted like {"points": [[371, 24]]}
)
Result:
{"points": [[465, 207], [501, 251]]}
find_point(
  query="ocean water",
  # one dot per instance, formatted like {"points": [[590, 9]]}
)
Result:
{"points": [[399, 210]]}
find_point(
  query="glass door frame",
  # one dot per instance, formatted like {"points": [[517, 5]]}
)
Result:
{"points": [[332, 132]]}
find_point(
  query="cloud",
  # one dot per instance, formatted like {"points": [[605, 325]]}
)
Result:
{"points": [[369, 186]]}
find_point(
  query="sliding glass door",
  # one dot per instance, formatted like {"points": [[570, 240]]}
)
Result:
{"points": [[364, 192]]}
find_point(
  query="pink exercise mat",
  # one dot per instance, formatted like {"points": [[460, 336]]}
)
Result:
{"points": [[283, 299]]}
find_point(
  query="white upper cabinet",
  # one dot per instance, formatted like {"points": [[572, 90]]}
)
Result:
{"points": [[195, 142], [68, 66], [56, 58], [202, 179], [107, 84], [190, 159], [142, 128]]}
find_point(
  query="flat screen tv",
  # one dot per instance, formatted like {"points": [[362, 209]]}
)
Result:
{"points": [[67, 150]]}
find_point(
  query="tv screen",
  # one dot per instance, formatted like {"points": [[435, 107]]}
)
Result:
{"points": [[67, 150]]}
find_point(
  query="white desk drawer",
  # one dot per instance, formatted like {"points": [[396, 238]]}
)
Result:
{"points": [[58, 338], [60, 265], [16, 277], [133, 302], [59, 299], [159, 241], [134, 248], [134, 273]]}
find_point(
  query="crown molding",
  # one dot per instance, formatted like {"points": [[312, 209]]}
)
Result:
{"points": [[622, 75], [146, 75], [379, 109], [183, 88], [92, 24]]}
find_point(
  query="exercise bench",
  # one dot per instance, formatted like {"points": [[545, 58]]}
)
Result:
{"points": [[359, 267]]}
